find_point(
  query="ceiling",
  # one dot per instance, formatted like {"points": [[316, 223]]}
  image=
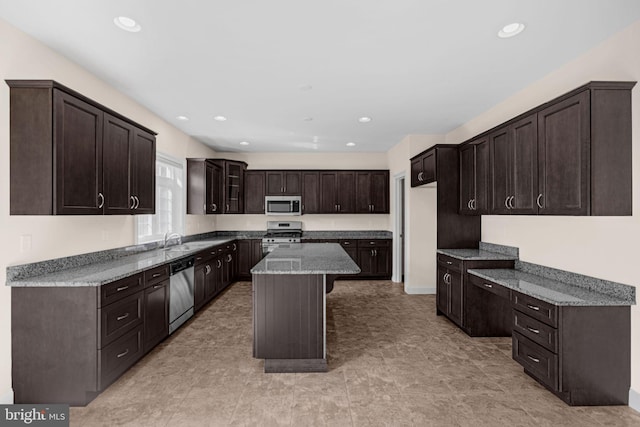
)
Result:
{"points": [[295, 75]]}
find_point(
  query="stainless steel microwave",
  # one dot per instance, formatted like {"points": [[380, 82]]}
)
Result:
{"points": [[283, 205]]}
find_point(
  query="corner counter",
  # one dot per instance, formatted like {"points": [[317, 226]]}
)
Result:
{"points": [[289, 304]]}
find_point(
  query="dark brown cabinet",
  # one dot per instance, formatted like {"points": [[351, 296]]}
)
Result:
{"points": [[156, 314], [310, 192], [374, 258], [233, 187], [514, 172], [423, 168], [372, 192], [73, 156], [283, 183], [455, 299], [337, 191], [254, 192], [249, 254], [474, 177], [204, 187]]}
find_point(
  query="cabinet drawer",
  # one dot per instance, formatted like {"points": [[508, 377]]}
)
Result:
{"points": [[120, 317], [537, 360], [203, 256], [536, 331], [490, 286], [366, 243], [156, 275], [114, 291], [539, 310], [348, 243], [450, 262], [119, 356]]}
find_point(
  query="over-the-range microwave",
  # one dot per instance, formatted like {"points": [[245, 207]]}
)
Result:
{"points": [[283, 205]]}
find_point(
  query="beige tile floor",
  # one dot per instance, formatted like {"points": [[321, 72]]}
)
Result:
{"points": [[392, 362]]}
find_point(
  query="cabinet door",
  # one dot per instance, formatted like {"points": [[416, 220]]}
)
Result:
{"points": [[382, 260], [233, 183], [346, 192], [524, 160], [213, 179], [366, 261], [563, 157], [328, 197], [500, 171], [442, 291], [292, 183], [310, 192], [254, 185], [245, 258], [199, 289], [143, 172], [256, 252], [482, 177], [416, 172], [156, 314], [429, 167], [380, 192], [363, 192], [77, 140], [218, 273], [116, 153], [455, 296], [467, 178], [209, 281], [275, 183]]}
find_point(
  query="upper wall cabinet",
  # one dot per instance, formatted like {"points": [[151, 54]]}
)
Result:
{"points": [[254, 189], [423, 168], [204, 187], [283, 183], [71, 156], [570, 156], [474, 177], [233, 185], [372, 192]]}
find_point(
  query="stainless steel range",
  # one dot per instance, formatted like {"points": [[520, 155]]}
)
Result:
{"points": [[281, 233]]}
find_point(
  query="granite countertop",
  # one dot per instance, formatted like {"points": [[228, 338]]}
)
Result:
{"points": [[307, 258], [100, 273], [346, 234], [556, 292], [476, 255]]}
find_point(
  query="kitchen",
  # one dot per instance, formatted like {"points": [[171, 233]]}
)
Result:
{"points": [[576, 242]]}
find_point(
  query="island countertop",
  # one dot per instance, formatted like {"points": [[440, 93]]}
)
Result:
{"points": [[307, 258]]}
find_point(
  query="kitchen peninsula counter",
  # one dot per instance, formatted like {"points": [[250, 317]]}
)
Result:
{"points": [[289, 304]]}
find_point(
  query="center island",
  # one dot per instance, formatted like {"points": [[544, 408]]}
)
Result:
{"points": [[289, 304]]}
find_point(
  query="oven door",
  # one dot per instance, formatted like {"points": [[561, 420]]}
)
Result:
{"points": [[282, 205]]}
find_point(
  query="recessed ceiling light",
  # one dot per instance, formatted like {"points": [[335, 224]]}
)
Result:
{"points": [[511, 30], [351, 144], [183, 118], [307, 119], [364, 119], [127, 24], [220, 118], [244, 143]]}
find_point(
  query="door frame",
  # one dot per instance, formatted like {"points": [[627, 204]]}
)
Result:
{"points": [[399, 245]]}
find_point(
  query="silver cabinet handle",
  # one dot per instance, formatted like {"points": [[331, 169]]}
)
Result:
{"points": [[473, 204], [371, 252], [346, 243], [535, 331], [122, 288], [335, 207], [539, 200], [511, 199], [124, 316], [158, 286], [219, 264], [229, 258], [234, 247], [339, 207], [207, 269], [214, 207], [420, 174], [154, 275], [469, 204], [375, 252], [533, 358], [137, 202], [227, 207], [506, 203], [101, 198], [133, 202], [123, 354], [486, 285], [449, 262], [533, 307]]}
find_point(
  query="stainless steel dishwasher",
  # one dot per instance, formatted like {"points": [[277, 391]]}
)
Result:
{"points": [[181, 285]]}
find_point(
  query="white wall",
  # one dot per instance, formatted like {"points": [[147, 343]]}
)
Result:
{"points": [[601, 247], [420, 215], [25, 58], [309, 161]]}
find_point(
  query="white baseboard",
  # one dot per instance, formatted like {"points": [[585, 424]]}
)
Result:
{"points": [[634, 399], [419, 290], [6, 398]]}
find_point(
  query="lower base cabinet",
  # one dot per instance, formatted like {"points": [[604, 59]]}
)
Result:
{"points": [[156, 314], [249, 254]]}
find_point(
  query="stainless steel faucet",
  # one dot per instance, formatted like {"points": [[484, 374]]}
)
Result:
{"points": [[168, 237]]}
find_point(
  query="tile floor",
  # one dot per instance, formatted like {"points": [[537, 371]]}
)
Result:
{"points": [[392, 362]]}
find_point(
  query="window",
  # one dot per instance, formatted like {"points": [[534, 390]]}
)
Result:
{"points": [[169, 216]]}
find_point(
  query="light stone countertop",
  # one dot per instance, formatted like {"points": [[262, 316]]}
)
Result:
{"points": [[100, 273], [555, 292], [476, 255], [307, 258]]}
